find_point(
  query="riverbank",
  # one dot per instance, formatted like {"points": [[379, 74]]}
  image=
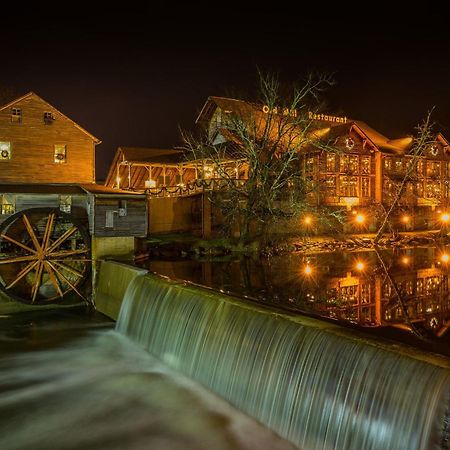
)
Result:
{"points": [[185, 245]]}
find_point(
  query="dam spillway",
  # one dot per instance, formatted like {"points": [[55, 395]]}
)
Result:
{"points": [[314, 383]]}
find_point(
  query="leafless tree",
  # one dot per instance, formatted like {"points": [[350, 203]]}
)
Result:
{"points": [[265, 138], [423, 139]]}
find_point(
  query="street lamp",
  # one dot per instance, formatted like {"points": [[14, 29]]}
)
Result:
{"points": [[360, 218]]}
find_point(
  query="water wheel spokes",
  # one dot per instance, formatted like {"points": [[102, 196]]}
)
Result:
{"points": [[45, 255]]}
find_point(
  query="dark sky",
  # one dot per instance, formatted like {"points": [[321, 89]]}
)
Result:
{"points": [[133, 77]]}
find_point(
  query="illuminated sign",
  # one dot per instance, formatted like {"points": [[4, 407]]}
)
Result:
{"points": [[326, 118], [279, 110]]}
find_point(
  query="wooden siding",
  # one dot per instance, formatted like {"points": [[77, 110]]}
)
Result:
{"points": [[134, 223], [26, 201], [32, 146]]}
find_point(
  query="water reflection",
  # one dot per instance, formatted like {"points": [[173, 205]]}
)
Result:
{"points": [[402, 288]]}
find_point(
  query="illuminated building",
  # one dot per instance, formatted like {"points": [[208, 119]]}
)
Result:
{"points": [[364, 169]]}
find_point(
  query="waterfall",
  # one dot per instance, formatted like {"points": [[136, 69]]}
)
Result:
{"points": [[316, 384]]}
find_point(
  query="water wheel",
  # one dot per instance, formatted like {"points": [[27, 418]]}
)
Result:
{"points": [[44, 256]]}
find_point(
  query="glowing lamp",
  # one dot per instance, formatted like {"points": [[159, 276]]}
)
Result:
{"points": [[307, 220], [118, 182], [445, 217], [405, 260], [445, 258], [149, 184], [360, 218], [405, 219], [360, 266], [307, 269]]}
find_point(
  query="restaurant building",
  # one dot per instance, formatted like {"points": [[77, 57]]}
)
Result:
{"points": [[359, 171]]}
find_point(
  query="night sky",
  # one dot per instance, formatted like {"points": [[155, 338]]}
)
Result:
{"points": [[132, 78]]}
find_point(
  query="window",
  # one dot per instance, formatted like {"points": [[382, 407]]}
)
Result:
{"points": [[398, 165], [388, 164], [309, 164], [330, 186], [7, 204], [348, 186], [5, 151], [420, 166], [433, 189], [365, 164], [331, 162], [48, 118], [65, 203], [433, 168], [349, 163], [60, 154], [365, 187], [16, 115]]}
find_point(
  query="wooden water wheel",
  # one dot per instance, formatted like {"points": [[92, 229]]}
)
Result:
{"points": [[44, 256]]}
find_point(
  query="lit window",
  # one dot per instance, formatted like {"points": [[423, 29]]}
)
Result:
{"points": [[433, 168], [16, 115], [330, 186], [331, 162], [348, 186], [65, 203], [398, 164], [48, 118], [60, 154], [309, 164], [5, 151], [365, 187], [365, 164], [420, 166], [7, 204], [349, 163]]}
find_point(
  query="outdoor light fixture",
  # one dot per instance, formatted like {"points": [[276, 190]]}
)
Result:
{"points": [[445, 258], [307, 269], [405, 219], [118, 182], [360, 218], [360, 266], [149, 184], [405, 260], [307, 220], [445, 217]]}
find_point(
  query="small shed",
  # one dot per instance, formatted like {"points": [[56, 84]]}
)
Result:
{"points": [[116, 213]]}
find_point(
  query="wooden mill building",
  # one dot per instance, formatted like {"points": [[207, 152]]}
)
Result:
{"points": [[54, 219]]}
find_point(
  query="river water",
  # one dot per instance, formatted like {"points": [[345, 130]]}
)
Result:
{"points": [[69, 381], [402, 294]]}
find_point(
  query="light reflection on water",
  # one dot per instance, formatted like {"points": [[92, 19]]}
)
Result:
{"points": [[402, 288]]}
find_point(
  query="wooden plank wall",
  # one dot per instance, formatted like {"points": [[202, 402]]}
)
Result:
{"points": [[134, 223], [32, 147]]}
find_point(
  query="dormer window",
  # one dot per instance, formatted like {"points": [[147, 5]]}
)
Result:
{"points": [[48, 118], [60, 154], [16, 115]]}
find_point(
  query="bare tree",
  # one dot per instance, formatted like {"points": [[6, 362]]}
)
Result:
{"points": [[421, 141], [264, 139]]}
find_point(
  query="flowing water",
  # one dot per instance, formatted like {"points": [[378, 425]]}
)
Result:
{"points": [[66, 382], [386, 292], [314, 383]]}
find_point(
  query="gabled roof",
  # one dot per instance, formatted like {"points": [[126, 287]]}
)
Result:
{"points": [[227, 105], [32, 94], [144, 154]]}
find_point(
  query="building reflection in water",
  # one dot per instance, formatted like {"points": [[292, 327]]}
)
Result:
{"points": [[404, 288]]}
